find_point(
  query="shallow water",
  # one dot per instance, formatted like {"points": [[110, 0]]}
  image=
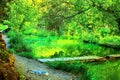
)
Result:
{"points": [[6, 39]]}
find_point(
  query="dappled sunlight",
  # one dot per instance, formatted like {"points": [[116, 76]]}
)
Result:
{"points": [[45, 52]]}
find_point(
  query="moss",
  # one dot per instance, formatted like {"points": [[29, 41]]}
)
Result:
{"points": [[7, 60], [22, 76], [4, 54]]}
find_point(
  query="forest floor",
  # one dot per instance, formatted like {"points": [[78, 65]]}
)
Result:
{"points": [[23, 64]]}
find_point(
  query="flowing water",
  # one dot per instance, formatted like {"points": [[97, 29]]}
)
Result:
{"points": [[6, 39]]}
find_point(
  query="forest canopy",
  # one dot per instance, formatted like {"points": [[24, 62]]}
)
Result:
{"points": [[62, 21], [71, 16]]}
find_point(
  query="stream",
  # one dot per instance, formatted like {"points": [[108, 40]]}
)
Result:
{"points": [[6, 39]]}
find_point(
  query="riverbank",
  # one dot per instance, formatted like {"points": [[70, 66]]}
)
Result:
{"points": [[7, 69]]}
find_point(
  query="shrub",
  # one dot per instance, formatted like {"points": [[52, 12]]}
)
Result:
{"points": [[27, 54], [17, 42], [43, 51], [110, 39], [2, 27], [105, 71], [69, 47], [74, 67], [58, 54], [90, 37]]}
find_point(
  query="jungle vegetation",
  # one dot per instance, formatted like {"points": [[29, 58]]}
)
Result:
{"points": [[65, 28]]}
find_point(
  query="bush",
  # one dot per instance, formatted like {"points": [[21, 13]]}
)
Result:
{"points": [[74, 67], [58, 54], [110, 39], [43, 51], [106, 71], [2, 27], [42, 33], [17, 42], [90, 37], [69, 47], [27, 54]]}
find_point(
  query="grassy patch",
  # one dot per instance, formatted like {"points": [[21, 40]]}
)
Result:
{"points": [[90, 71]]}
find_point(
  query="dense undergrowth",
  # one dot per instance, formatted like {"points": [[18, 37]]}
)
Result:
{"points": [[34, 46], [91, 71], [54, 46]]}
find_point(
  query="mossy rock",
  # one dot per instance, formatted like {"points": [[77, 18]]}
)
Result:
{"points": [[0, 35], [4, 54]]}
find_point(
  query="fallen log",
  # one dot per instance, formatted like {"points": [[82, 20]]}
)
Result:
{"points": [[112, 57], [68, 59], [82, 59]]}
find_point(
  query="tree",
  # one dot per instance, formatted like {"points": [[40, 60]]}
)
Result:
{"points": [[2, 9], [54, 13], [92, 15], [22, 14]]}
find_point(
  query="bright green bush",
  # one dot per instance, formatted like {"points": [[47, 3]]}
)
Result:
{"points": [[2, 27], [111, 39], [90, 37], [27, 54], [68, 47], [104, 31], [30, 32], [17, 43], [42, 33], [43, 51]]}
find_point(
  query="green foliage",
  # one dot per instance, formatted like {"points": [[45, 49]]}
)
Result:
{"points": [[69, 47], [53, 14], [90, 37], [72, 21], [3, 14], [57, 28], [74, 67], [29, 54], [2, 27], [46, 33], [111, 39], [106, 71], [58, 47], [43, 51], [22, 15], [90, 71], [42, 33], [18, 43]]}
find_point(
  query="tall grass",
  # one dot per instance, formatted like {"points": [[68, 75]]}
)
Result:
{"points": [[104, 71], [90, 71]]}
